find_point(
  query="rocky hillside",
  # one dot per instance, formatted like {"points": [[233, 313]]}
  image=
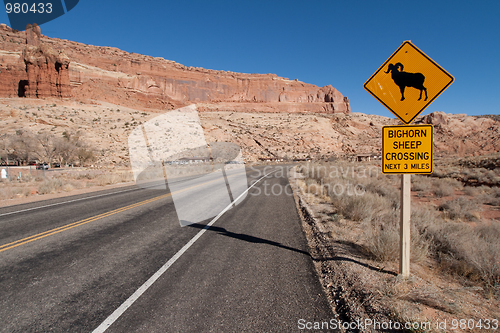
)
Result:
{"points": [[31, 62], [262, 135]]}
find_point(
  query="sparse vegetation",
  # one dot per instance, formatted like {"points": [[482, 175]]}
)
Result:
{"points": [[440, 233], [25, 146], [460, 208], [62, 181], [443, 187], [471, 171], [355, 238]]}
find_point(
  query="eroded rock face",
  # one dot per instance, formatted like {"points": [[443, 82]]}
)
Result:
{"points": [[47, 69], [436, 118], [111, 75], [12, 72]]}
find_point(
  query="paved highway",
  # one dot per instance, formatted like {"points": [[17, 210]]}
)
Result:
{"points": [[118, 261]]}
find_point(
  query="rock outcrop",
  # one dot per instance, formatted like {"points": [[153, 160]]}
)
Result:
{"points": [[47, 69], [12, 70], [260, 135], [111, 75]]}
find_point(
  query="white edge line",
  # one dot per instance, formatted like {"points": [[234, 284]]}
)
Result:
{"points": [[63, 202], [125, 305]]}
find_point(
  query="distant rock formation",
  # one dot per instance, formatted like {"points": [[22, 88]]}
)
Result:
{"points": [[111, 75], [47, 69]]}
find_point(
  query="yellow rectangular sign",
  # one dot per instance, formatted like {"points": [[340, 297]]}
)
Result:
{"points": [[407, 149]]}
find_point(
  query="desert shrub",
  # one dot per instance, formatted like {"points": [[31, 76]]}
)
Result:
{"points": [[363, 207], [382, 188], [353, 201], [423, 217], [492, 177], [84, 176], [493, 196], [67, 187], [26, 178], [471, 175], [489, 232], [383, 240], [312, 186], [70, 186], [472, 191], [460, 209], [444, 187], [126, 177], [107, 179], [421, 183], [50, 186], [14, 192], [484, 194], [459, 249], [438, 173], [490, 199], [467, 252]]}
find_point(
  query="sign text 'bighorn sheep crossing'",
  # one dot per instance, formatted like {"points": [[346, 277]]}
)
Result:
{"points": [[408, 82], [407, 149]]}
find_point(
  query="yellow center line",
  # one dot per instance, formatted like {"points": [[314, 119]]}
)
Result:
{"points": [[50, 232], [76, 224]]}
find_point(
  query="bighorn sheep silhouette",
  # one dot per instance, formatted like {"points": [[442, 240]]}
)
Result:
{"points": [[405, 79]]}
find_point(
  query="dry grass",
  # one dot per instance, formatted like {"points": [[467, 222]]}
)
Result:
{"points": [[363, 195], [422, 184], [59, 181], [14, 192], [441, 234], [445, 187], [50, 186], [474, 171], [460, 208], [467, 252]]}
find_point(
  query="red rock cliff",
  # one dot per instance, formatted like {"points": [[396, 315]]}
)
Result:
{"points": [[47, 69], [109, 74]]}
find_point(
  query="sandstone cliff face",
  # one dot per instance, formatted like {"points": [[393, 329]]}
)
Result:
{"points": [[12, 70], [112, 75], [47, 69]]}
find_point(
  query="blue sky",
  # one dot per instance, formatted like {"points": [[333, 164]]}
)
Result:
{"points": [[341, 43]]}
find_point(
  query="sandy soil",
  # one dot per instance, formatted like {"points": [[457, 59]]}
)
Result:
{"points": [[35, 198]]}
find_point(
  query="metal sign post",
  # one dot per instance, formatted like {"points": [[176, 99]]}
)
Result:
{"points": [[406, 84]]}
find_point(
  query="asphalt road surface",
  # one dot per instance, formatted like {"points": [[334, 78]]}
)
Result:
{"points": [[119, 261]]}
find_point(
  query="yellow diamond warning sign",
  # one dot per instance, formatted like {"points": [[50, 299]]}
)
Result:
{"points": [[408, 82], [407, 149]]}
